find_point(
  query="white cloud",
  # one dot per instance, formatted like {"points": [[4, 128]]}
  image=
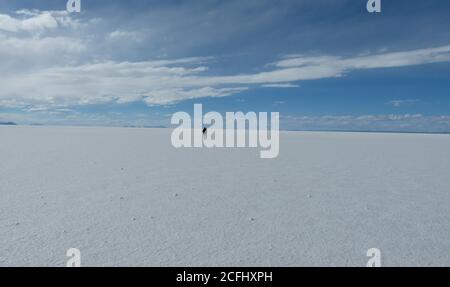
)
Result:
{"points": [[48, 70], [38, 39], [393, 122], [401, 103], [382, 60], [43, 21], [169, 96], [165, 82], [122, 35], [287, 85], [34, 20], [38, 46], [278, 103]]}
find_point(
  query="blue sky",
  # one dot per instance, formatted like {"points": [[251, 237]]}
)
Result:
{"points": [[324, 65]]}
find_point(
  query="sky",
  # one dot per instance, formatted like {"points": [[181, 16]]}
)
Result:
{"points": [[322, 64]]}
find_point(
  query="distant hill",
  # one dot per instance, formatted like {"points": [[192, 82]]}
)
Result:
{"points": [[8, 124]]}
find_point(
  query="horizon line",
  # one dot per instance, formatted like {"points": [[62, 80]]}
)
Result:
{"points": [[281, 129]]}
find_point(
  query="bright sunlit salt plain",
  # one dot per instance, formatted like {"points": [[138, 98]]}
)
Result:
{"points": [[127, 197]]}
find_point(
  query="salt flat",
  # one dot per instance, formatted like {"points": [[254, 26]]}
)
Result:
{"points": [[127, 197]]}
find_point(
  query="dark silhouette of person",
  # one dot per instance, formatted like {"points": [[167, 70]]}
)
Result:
{"points": [[204, 131]]}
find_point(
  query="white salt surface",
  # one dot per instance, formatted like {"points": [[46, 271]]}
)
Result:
{"points": [[127, 197]]}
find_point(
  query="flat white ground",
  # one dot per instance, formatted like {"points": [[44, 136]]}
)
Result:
{"points": [[127, 197]]}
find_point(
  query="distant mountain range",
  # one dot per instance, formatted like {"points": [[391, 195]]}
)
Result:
{"points": [[8, 124]]}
